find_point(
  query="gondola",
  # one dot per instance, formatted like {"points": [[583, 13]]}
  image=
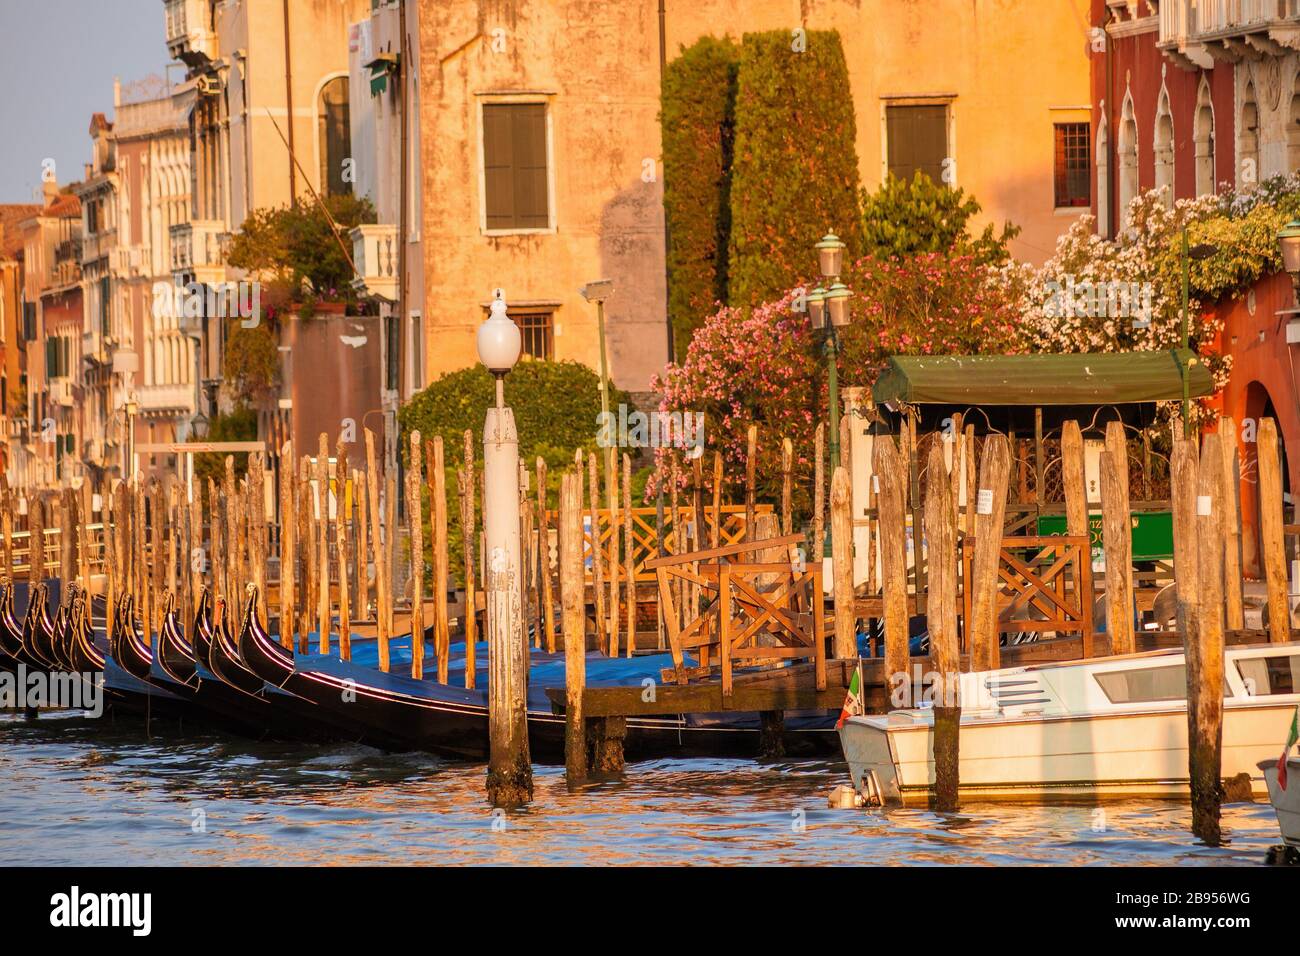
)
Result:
{"points": [[175, 654], [395, 712], [38, 631], [11, 631], [289, 715]]}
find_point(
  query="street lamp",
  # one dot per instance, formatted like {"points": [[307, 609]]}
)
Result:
{"points": [[829, 309], [510, 773], [1288, 240]]}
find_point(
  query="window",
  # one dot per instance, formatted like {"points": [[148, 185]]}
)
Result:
{"points": [[334, 133], [417, 352], [1145, 685], [1270, 675], [105, 306], [537, 329], [58, 356], [514, 166], [918, 140], [1072, 162]]}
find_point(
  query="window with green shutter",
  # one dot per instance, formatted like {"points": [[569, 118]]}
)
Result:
{"points": [[514, 166], [918, 140]]}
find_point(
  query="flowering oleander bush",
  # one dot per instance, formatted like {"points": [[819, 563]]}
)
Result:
{"points": [[765, 365]]}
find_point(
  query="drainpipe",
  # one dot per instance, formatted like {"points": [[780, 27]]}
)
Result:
{"points": [[288, 102], [1111, 183], [663, 63]]}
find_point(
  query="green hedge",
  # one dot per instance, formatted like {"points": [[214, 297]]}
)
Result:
{"points": [[696, 114], [795, 168], [556, 407]]}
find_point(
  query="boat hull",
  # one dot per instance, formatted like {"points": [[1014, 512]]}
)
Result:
{"points": [[1286, 803], [1044, 758]]}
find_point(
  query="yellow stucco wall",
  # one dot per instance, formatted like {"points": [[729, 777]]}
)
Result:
{"points": [[596, 67], [1012, 67]]}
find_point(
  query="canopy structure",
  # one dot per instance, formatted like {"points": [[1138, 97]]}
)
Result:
{"points": [[1116, 378]]}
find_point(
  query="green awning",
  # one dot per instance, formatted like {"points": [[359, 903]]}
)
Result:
{"points": [[380, 67], [1081, 379]]}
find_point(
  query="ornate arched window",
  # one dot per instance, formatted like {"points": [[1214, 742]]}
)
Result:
{"points": [[1203, 139]]}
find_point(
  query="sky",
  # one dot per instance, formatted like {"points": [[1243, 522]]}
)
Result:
{"points": [[58, 59]]}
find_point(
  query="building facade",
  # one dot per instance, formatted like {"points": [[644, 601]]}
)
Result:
{"points": [[1193, 95], [541, 144], [48, 454], [265, 99], [13, 359]]}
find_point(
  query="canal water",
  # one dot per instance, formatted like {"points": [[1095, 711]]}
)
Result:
{"points": [[90, 792]]}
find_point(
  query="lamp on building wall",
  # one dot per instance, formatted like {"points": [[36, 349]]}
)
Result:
{"points": [[1288, 240]]}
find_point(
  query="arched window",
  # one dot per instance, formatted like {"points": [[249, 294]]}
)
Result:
{"points": [[334, 135], [1248, 139], [1102, 154], [1128, 158], [1163, 148], [1293, 134], [1203, 139]]}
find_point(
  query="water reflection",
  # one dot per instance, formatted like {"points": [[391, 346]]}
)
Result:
{"points": [[98, 793]]}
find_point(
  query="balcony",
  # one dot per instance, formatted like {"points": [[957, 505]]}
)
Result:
{"points": [[1199, 33], [199, 248], [189, 34], [170, 398], [60, 390], [374, 250]]}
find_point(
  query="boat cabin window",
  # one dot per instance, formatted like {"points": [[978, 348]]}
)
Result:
{"points": [[1145, 684], [1279, 674]]}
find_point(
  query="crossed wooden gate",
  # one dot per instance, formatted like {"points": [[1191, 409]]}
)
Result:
{"points": [[645, 534], [1044, 584], [749, 612]]}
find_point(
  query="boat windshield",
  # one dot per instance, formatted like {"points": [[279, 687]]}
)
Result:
{"points": [[1276, 674], [1145, 684]]}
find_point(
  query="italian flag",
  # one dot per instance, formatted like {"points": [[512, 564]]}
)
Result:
{"points": [[853, 700], [1291, 739]]}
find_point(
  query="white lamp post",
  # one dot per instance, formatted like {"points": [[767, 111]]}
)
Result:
{"points": [[510, 772]]}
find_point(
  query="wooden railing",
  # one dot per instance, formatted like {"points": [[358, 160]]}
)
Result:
{"points": [[1048, 591], [648, 536], [750, 612]]}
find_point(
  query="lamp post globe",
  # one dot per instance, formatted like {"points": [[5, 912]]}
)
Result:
{"points": [[499, 342], [830, 255]]}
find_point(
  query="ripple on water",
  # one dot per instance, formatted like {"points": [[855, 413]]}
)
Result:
{"points": [[102, 792]]}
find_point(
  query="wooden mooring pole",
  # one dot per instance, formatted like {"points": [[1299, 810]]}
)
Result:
{"points": [[1205, 665], [572, 627], [510, 772], [941, 617]]}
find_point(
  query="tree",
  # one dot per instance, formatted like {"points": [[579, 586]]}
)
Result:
{"points": [[696, 116], [239, 424], [903, 218], [295, 248], [795, 168], [251, 364]]}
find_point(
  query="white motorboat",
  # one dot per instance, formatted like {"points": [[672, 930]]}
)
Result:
{"points": [[1286, 803], [1105, 727]]}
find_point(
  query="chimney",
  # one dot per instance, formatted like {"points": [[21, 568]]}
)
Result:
{"points": [[50, 191]]}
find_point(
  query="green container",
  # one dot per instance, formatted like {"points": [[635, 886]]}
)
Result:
{"points": [[1153, 533]]}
